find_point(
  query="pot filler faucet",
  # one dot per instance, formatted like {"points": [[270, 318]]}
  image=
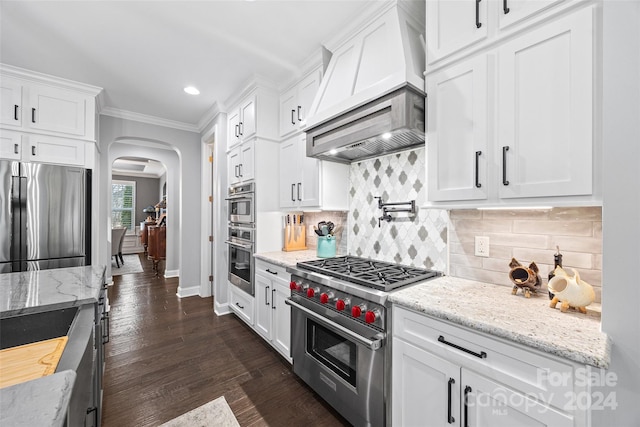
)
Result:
{"points": [[390, 207]]}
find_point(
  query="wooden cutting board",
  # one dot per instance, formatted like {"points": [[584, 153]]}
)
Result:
{"points": [[30, 361]]}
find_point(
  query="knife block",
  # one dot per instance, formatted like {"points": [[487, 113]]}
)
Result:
{"points": [[295, 238]]}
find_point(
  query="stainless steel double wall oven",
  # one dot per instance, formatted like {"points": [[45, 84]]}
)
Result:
{"points": [[241, 237]]}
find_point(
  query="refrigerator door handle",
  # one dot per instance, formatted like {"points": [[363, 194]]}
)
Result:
{"points": [[19, 215]]}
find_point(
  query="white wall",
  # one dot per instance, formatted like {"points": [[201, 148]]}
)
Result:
{"points": [[621, 207], [179, 151]]}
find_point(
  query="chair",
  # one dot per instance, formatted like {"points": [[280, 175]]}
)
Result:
{"points": [[117, 235], [120, 246]]}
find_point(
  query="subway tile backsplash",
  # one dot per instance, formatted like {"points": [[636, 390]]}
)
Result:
{"points": [[527, 235], [419, 240]]}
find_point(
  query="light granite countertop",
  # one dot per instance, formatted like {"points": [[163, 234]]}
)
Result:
{"points": [[40, 402], [32, 291], [287, 259], [529, 321]]}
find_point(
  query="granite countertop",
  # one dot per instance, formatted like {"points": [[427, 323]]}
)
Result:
{"points": [[32, 291], [287, 259], [40, 402], [492, 309]]}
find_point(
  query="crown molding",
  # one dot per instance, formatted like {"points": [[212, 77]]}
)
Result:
{"points": [[36, 77], [209, 116], [152, 120]]}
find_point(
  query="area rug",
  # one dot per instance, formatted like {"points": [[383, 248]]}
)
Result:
{"points": [[131, 265], [216, 413]]}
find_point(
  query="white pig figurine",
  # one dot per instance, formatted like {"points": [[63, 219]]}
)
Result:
{"points": [[570, 291]]}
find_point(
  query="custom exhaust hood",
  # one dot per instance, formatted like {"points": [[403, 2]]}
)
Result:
{"points": [[371, 100]]}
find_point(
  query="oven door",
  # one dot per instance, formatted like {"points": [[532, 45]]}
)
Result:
{"points": [[343, 364], [241, 208], [241, 265]]}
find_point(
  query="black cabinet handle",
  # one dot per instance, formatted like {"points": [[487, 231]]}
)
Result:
{"points": [[293, 122], [478, 153], [33, 150], [95, 414], [241, 128], [467, 390], [299, 184], [478, 23], [15, 112], [266, 291], [272, 272], [293, 187], [237, 131], [481, 355], [33, 115], [505, 8], [242, 307], [15, 149], [504, 165], [450, 419], [273, 305], [235, 171], [299, 108], [240, 170], [105, 333]]}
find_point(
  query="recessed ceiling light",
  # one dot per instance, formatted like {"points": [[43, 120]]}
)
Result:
{"points": [[192, 90], [333, 152], [386, 135]]}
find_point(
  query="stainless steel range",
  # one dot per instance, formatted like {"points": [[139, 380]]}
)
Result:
{"points": [[339, 325]]}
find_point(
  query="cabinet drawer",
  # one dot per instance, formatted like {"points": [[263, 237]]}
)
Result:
{"points": [[242, 304], [268, 269], [533, 373]]}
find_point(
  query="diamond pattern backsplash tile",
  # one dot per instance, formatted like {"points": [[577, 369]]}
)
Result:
{"points": [[419, 240]]}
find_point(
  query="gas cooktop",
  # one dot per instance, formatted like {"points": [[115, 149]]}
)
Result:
{"points": [[380, 275]]}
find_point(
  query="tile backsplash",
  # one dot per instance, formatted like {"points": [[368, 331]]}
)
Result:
{"points": [[527, 235], [338, 218], [419, 240]]}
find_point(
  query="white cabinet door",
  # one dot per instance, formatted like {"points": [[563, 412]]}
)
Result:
{"points": [[51, 149], [233, 164], [289, 172], [545, 110], [10, 102], [247, 161], [457, 132], [308, 189], [425, 388], [248, 118], [307, 90], [513, 11], [58, 110], [453, 25], [288, 107], [10, 145], [489, 404], [263, 306], [281, 331], [233, 128]]}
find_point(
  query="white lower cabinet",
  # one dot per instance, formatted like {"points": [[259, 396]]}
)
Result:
{"points": [[444, 375], [242, 304], [273, 315]]}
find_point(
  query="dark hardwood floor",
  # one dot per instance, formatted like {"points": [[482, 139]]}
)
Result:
{"points": [[167, 356]]}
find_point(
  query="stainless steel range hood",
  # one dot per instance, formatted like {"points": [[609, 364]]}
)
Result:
{"points": [[371, 101]]}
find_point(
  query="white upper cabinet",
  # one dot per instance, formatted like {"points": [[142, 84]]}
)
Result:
{"points": [[240, 163], [453, 25], [242, 121], [47, 109], [305, 182], [457, 133], [545, 111], [253, 114], [10, 145], [296, 102]]}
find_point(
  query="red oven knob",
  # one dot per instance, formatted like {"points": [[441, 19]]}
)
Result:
{"points": [[311, 292], [293, 286], [356, 311], [326, 297], [341, 304], [371, 316]]}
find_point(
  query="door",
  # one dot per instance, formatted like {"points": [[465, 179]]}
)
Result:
{"points": [[425, 388], [288, 107], [247, 155], [233, 162], [51, 149], [489, 404], [263, 307], [457, 132], [281, 321], [308, 88], [57, 110], [248, 118], [233, 128], [545, 114], [453, 25], [10, 102], [289, 172], [10, 145]]}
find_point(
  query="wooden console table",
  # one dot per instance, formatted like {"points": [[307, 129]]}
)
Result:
{"points": [[157, 244]]}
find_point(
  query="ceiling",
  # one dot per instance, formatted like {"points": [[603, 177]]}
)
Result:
{"points": [[143, 53]]}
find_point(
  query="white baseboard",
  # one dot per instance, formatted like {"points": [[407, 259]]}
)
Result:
{"points": [[171, 273], [221, 309], [188, 292]]}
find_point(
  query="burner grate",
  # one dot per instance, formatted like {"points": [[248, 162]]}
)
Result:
{"points": [[366, 272]]}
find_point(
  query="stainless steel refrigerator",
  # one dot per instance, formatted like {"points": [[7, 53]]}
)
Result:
{"points": [[45, 216]]}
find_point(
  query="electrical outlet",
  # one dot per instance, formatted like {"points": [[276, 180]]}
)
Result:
{"points": [[482, 246]]}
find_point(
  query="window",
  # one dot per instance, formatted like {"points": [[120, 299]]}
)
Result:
{"points": [[123, 204]]}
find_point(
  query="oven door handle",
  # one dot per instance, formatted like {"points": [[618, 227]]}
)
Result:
{"points": [[371, 344], [239, 245]]}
